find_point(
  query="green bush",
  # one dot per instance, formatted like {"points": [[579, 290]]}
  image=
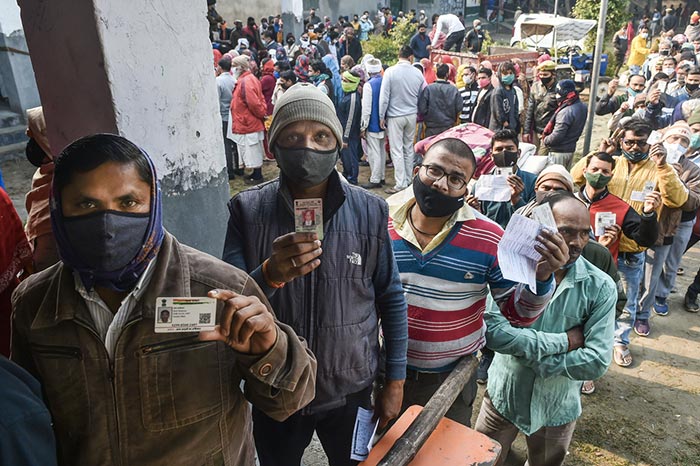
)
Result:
{"points": [[386, 47], [616, 17]]}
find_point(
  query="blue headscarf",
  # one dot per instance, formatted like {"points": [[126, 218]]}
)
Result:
{"points": [[125, 278]]}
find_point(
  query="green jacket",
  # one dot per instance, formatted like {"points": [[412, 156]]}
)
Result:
{"points": [[533, 381]]}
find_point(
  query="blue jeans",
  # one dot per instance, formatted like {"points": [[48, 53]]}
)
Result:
{"points": [[350, 157], [631, 268], [673, 261], [655, 260]]}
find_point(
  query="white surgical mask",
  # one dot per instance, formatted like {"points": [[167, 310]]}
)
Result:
{"points": [[304, 43], [668, 71], [469, 79], [674, 152], [644, 35]]}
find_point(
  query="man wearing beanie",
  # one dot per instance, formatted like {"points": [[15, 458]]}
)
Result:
{"points": [[675, 225], [561, 133], [333, 289], [373, 132], [248, 110]]}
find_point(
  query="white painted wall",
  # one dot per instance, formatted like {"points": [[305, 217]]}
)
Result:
{"points": [[160, 71], [10, 20]]}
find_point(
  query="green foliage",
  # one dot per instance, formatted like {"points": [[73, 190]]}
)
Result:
{"points": [[386, 47], [616, 17]]}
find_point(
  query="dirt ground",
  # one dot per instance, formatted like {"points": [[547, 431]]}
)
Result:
{"points": [[646, 415]]}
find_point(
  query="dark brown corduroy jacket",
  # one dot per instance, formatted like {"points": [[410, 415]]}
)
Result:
{"points": [[165, 399]]}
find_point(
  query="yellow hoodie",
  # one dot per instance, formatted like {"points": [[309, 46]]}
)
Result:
{"points": [[628, 177], [638, 51]]}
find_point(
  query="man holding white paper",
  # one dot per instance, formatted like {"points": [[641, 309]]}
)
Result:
{"points": [[535, 380], [506, 187], [117, 390], [447, 256]]}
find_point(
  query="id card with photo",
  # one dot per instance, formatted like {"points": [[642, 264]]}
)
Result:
{"points": [[308, 216], [186, 314], [603, 220], [639, 196]]}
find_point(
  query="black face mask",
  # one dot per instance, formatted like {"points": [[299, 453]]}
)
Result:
{"points": [[433, 203], [35, 154], [691, 87], [546, 81], [665, 53], [107, 241], [290, 41], [505, 158], [306, 167]]}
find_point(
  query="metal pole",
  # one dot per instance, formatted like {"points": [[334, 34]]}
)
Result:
{"points": [[556, 7], [596, 74]]}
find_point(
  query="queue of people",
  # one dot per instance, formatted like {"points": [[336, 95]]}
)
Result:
{"points": [[374, 310]]}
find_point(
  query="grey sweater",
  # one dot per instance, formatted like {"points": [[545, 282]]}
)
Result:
{"points": [[401, 87]]}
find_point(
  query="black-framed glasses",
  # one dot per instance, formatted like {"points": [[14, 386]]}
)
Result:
{"points": [[637, 142], [436, 173]]}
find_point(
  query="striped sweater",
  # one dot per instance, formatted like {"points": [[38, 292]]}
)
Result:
{"points": [[446, 290]]}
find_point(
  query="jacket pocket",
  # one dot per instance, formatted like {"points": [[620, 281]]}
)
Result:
{"points": [[180, 383], [63, 379]]}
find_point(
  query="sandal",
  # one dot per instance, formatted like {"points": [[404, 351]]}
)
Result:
{"points": [[622, 355], [588, 387]]}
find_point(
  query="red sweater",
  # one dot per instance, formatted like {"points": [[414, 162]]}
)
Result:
{"points": [[248, 105]]}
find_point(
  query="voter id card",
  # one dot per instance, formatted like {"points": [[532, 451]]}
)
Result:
{"points": [[187, 314], [308, 216], [639, 196], [505, 171], [603, 220], [654, 138]]}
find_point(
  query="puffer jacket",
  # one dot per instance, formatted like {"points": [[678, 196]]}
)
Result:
{"points": [[164, 399], [628, 177], [337, 306], [248, 106], [568, 126], [440, 103]]}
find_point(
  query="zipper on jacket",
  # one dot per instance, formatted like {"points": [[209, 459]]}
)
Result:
{"points": [[64, 351], [192, 341]]}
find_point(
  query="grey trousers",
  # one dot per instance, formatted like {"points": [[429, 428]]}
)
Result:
{"points": [[546, 447], [376, 156], [401, 131]]}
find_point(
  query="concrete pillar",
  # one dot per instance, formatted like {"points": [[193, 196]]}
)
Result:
{"points": [[142, 69], [16, 73], [293, 18]]}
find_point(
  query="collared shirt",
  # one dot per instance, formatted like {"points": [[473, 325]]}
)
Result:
{"points": [[534, 381], [109, 325], [400, 205]]}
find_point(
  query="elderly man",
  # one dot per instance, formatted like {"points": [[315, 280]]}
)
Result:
{"points": [[350, 45], [332, 288], [248, 110], [535, 381], [371, 131], [475, 37], [117, 391], [432, 223]]}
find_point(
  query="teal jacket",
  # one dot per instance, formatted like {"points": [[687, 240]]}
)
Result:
{"points": [[533, 381]]}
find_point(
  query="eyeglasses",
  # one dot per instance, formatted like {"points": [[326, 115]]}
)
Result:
{"points": [[436, 173], [637, 142]]}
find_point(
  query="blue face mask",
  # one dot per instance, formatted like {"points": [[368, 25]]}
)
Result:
{"points": [[276, 74], [695, 141], [508, 79], [635, 157], [631, 92]]}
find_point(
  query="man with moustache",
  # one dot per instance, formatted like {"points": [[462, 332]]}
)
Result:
{"points": [[535, 381]]}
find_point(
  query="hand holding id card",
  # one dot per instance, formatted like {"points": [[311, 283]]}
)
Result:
{"points": [[185, 314], [308, 216]]}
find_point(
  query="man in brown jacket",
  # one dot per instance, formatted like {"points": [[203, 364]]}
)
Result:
{"points": [[119, 393]]}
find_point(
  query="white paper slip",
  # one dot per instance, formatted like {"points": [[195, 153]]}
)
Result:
{"points": [[493, 188], [363, 434], [186, 314], [517, 256], [544, 216], [654, 137], [308, 216], [604, 220]]}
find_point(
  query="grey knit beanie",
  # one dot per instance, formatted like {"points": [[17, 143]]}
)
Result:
{"points": [[304, 102]]}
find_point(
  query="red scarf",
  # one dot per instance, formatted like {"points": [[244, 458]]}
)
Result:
{"points": [[570, 99]]}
